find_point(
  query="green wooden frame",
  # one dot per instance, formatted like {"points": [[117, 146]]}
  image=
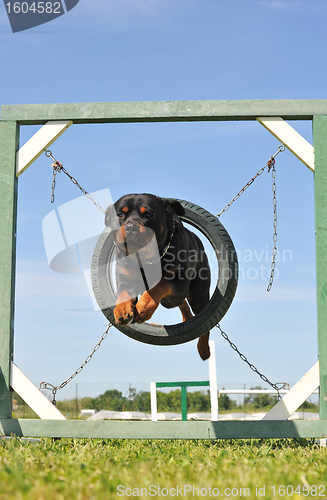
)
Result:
{"points": [[183, 386], [12, 116]]}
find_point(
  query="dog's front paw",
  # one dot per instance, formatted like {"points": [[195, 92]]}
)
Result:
{"points": [[124, 310], [145, 308]]}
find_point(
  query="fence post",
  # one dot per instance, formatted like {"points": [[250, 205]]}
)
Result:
{"points": [[8, 218], [213, 382], [320, 185], [153, 399]]}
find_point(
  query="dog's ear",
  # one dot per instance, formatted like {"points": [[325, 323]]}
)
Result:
{"points": [[110, 216], [174, 206]]}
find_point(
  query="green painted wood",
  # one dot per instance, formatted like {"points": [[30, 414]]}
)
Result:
{"points": [[183, 384], [154, 112], [164, 111], [184, 403], [320, 183], [8, 215], [165, 430]]}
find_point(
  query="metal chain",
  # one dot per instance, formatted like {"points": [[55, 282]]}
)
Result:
{"points": [[278, 386], [251, 181], [274, 251], [55, 389], [53, 185], [271, 166], [57, 168]]}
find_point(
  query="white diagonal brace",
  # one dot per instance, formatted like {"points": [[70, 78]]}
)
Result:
{"points": [[283, 131], [32, 396], [296, 396], [37, 144]]}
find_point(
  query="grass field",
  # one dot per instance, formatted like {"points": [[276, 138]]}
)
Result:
{"points": [[104, 469]]}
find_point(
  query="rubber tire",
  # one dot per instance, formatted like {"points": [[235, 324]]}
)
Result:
{"points": [[204, 321]]}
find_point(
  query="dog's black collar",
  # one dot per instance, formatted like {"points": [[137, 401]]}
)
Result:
{"points": [[165, 250]]}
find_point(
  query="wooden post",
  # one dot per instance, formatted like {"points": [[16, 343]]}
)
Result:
{"points": [[153, 399], [213, 382], [155, 112], [184, 402], [8, 216], [320, 184]]}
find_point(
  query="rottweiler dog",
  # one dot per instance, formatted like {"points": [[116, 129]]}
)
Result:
{"points": [[150, 237]]}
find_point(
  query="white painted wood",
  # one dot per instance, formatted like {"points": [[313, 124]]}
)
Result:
{"points": [[153, 398], [32, 396], [37, 144], [213, 382], [296, 396], [283, 131]]}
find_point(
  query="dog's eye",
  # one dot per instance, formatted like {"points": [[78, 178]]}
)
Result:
{"points": [[148, 215], [120, 215]]}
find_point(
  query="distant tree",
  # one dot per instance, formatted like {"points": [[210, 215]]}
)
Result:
{"points": [[141, 402], [86, 403], [224, 402], [198, 401], [110, 400], [170, 401], [260, 400], [307, 405]]}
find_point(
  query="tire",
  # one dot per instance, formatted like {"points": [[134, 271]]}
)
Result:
{"points": [[214, 231]]}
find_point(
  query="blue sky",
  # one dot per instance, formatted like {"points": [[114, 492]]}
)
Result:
{"points": [[144, 50]]}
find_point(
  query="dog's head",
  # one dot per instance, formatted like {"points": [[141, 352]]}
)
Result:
{"points": [[136, 218]]}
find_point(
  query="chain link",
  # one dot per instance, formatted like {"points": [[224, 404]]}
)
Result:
{"points": [[278, 386], [57, 168], [54, 389], [271, 166], [251, 181], [274, 251]]}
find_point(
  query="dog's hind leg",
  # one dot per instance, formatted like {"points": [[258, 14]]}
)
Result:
{"points": [[197, 302], [203, 342], [203, 346], [185, 310]]}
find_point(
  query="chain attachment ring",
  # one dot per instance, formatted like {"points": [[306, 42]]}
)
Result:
{"points": [[58, 167]]}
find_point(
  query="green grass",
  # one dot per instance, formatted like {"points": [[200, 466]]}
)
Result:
{"points": [[93, 469]]}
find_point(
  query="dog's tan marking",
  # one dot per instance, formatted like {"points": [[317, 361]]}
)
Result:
{"points": [[150, 300], [124, 310]]}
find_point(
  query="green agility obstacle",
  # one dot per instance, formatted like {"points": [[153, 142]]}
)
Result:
{"points": [[56, 118]]}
